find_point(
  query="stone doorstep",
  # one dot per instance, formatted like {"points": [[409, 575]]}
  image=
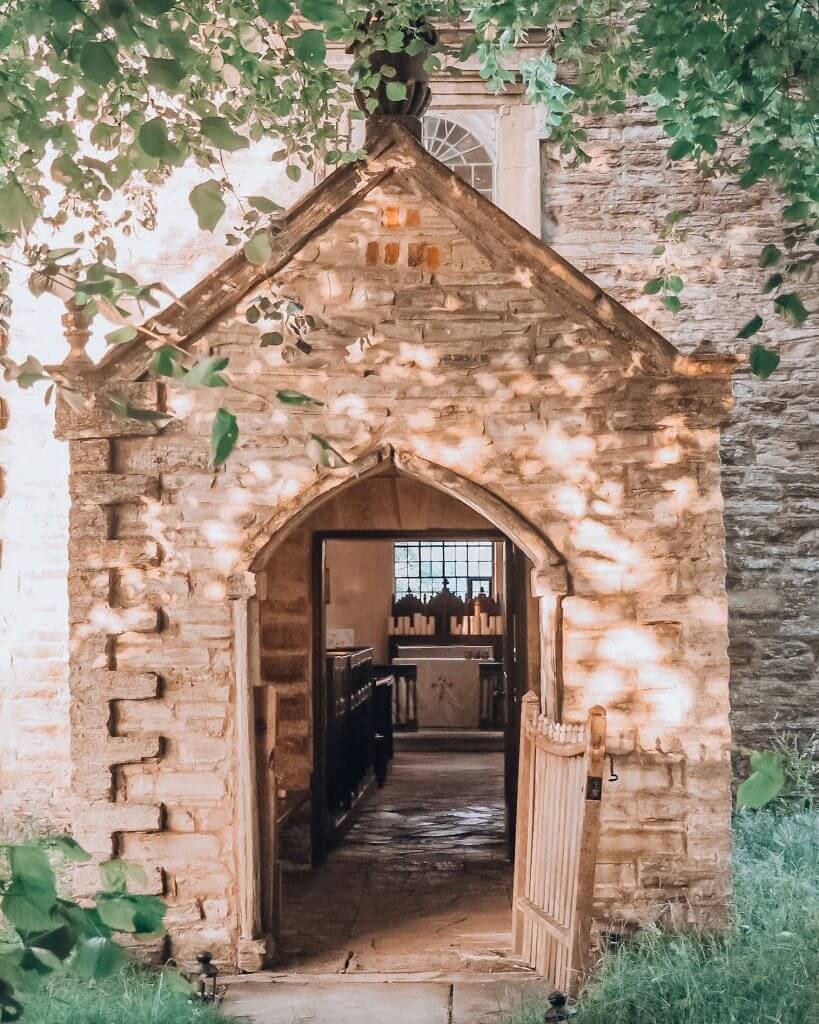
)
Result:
{"points": [[420, 998]]}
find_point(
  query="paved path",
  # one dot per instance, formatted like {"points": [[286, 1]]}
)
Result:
{"points": [[382, 999], [408, 922]]}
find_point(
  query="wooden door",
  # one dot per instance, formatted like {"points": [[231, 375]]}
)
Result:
{"points": [[516, 671], [271, 803], [559, 794]]}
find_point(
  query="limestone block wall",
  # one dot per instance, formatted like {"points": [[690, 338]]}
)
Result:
{"points": [[605, 218], [468, 366]]}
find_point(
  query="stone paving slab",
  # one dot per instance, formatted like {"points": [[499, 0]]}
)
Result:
{"points": [[381, 999]]}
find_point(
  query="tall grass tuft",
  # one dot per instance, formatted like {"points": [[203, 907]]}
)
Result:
{"points": [[133, 996], [764, 971]]}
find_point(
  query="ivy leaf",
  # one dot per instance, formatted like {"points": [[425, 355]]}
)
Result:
{"points": [[271, 338], [751, 327], [765, 782], [289, 397], [205, 373], [97, 958], [257, 250], [97, 62], [222, 135], [797, 211], [672, 303], [319, 10], [310, 47], [154, 8], [275, 10], [122, 335], [121, 407], [70, 849], [769, 256], [17, 212], [322, 453], [165, 363], [263, 204], [32, 894], [653, 286], [223, 437], [679, 149], [763, 361], [153, 139], [790, 306], [774, 281], [293, 172], [396, 91], [123, 912], [208, 205], [39, 960], [115, 874], [165, 72]]}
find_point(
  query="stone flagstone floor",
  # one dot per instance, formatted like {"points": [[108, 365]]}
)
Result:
{"points": [[409, 919]]}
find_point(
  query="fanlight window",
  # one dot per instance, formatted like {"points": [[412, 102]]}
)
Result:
{"points": [[458, 148]]}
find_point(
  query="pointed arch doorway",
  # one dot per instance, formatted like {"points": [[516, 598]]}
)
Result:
{"points": [[387, 502]]}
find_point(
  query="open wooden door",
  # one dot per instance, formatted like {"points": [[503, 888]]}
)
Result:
{"points": [[516, 671], [558, 819]]}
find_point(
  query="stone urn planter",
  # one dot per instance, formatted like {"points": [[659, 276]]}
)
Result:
{"points": [[408, 67]]}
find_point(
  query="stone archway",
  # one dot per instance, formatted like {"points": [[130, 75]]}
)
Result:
{"points": [[548, 585]]}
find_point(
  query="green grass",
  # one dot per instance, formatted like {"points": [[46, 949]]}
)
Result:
{"points": [[132, 996], [764, 971]]}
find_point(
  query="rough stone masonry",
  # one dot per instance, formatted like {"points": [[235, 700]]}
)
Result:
{"points": [[489, 367]]}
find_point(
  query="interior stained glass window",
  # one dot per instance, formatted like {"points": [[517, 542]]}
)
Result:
{"points": [[458, 148], [421, 565]]}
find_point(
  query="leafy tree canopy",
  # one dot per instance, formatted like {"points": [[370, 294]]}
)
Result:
{"points": [[100, 95]]}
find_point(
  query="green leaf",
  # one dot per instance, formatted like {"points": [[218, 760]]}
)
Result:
{"points": [[765, 782], [122, 335], [396, 91], [69, 848], [223, 436], [797, 211], [176, 982], [319, 10], [275, 10], [790, 306], [257, 250], [32, 894], [121, 407], [672, 303], [40, 960], [310, 47], [124, 912], [218, 130], [769, 256], [289, 397], [679, 149], [774, 281], [153, 139], [271, 338], [97, 958], [674, 284], [97, 62], [751, 327], [165, 362], [653, 286], [17, 211], [293, 172], [165, 72], [154, 8], [205, 373], [322, 453], [208, 205], [763, 361], [264, 205]]}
